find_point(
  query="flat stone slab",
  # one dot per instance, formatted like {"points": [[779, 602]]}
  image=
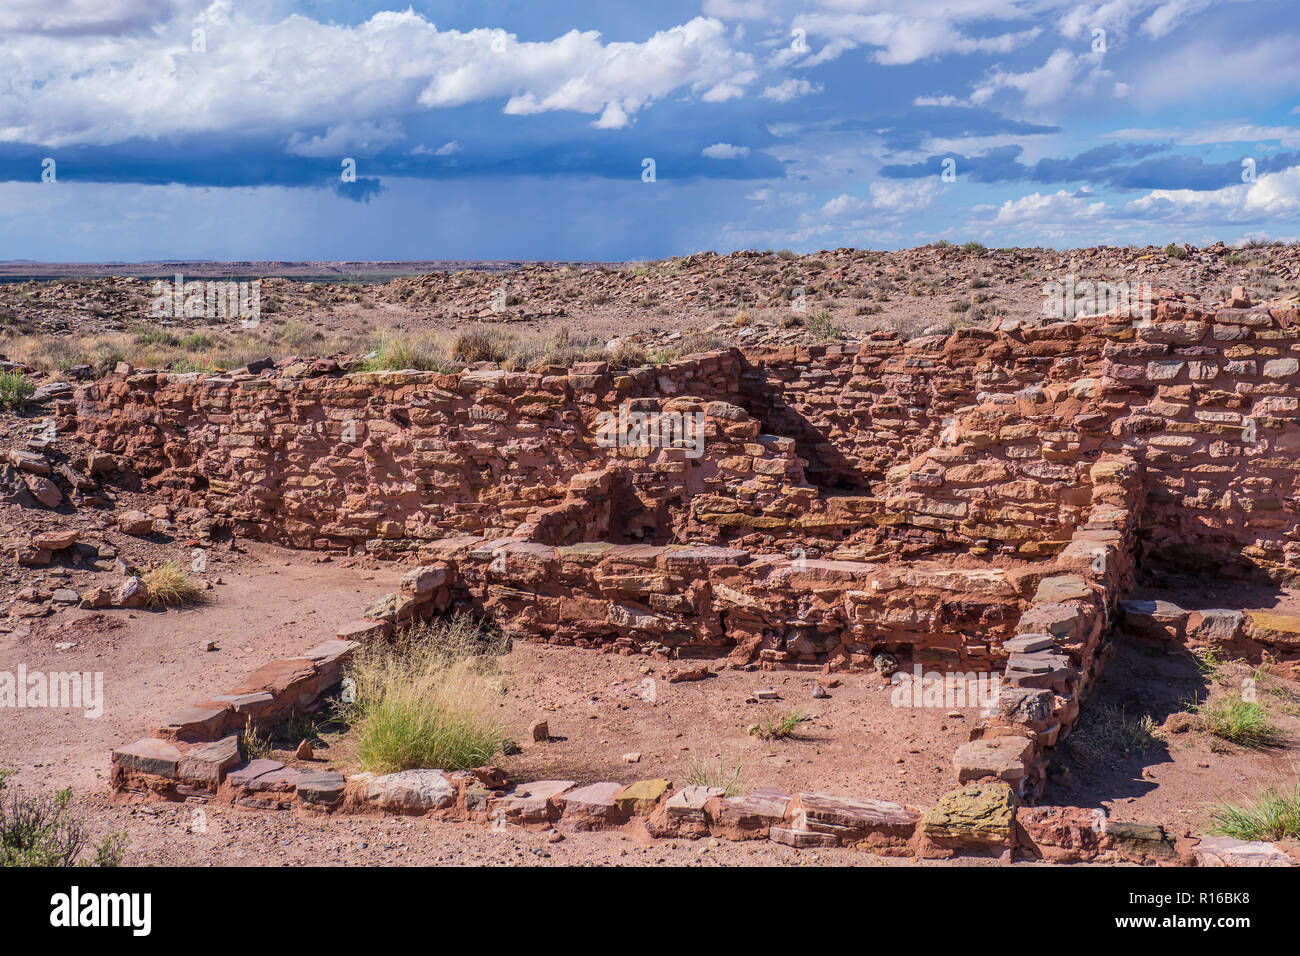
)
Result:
{"points": [[57, 539], [703, 556], [763, 807], [1141, 841], [1215, 625], [640, 798], [1064, 587], [1039, 669], [255, 704], [1273, 628], [812, 572], [1029, 643], [792, 836], [411, 791], [208, 764], [1060, 619], [150, 755], [320, 787], [423, 581], [999, 758], [1154, 619], [593, 800], [194, 723], [362, 631], [331, 651], [852, 813], [1225, 851], [532, 802], [282, 780], [688, 802], [252, 770], [262, 776]]}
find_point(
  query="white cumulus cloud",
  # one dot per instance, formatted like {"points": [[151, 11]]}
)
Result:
{"points": [[297, 73], [791, 89], [724, 151]]}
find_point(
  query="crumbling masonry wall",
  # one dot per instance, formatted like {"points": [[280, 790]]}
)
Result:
{"points": [[834, 487]]}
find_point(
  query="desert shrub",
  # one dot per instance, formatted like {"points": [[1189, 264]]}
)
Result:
{"points": [[198, 342], [560, 347], [822, 325], [1275, 815], [780, 727], [627, 355], [146, 336], [395, 353], [43, 831], [299, 336], [15, 389], [477, 346], [427, 699], [169, 585]]}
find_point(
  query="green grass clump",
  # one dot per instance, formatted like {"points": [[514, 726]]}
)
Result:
{"points": [[15, 389], [427, 699], [1238, 721], [1275, 815], [782, 727]]}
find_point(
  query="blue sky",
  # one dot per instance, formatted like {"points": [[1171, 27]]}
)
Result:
{"points": [[219, 130]]}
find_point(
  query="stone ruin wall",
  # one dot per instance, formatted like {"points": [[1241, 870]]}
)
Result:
{"points": [[903, 497], [985, 499]]}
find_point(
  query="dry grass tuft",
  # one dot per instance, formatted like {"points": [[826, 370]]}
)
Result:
{"points": [[428, 699], [169, 585]]}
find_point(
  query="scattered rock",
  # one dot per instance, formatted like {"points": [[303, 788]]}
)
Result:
{"points": [[57, 539], [135, 523], [411, 791], [132, 593]]}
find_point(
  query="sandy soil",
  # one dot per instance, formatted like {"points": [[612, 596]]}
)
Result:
{"points": [[272, 602], [599, 714], [1180, 777]]}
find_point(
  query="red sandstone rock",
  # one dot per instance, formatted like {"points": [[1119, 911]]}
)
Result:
{"points": [[1061, 834], [135, 522]]}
